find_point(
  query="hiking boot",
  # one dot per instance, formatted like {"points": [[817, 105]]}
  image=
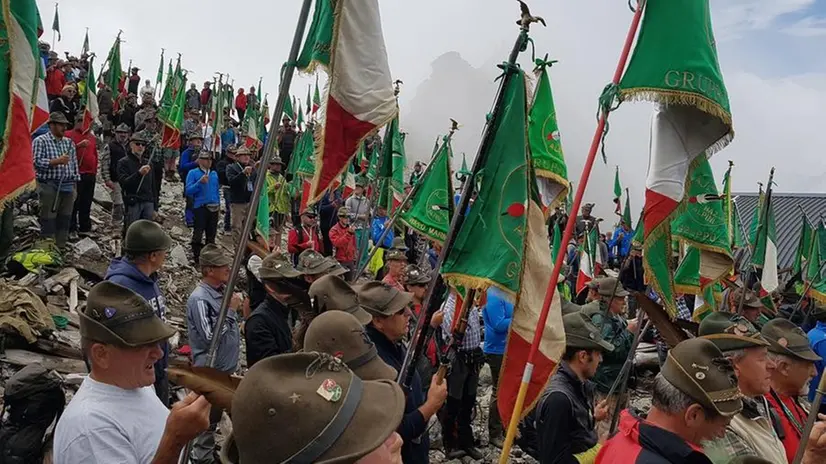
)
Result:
{"points": [[73, 236], [473, 453], [454, 454], [497, 441]]}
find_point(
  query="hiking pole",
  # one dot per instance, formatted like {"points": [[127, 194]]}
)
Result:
{"points": [[810, 420], [621, 384], [148, 163], [429, 306], [566, 238], [388, 227]]}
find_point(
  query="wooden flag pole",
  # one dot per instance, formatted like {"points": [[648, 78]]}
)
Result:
{"points": [[566, 237]]}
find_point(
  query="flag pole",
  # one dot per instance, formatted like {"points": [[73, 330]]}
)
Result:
{"points": [[566, 237], [269, 151], [397, 212], [430, 302], [762, 224]]}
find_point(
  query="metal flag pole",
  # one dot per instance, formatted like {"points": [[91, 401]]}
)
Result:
{"points": [[389, 226], [269, 151], [566, 237], [429, 303], [763, 217]]}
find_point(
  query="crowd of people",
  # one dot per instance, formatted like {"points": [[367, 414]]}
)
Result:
{"points": [[320, 332]]}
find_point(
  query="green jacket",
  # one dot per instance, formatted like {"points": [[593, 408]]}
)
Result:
{"points": [[615, 331]]}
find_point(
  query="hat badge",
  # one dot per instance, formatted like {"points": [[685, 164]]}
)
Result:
{"points": [[783, 342], [109, 312], [700, 375], [329, 390]]}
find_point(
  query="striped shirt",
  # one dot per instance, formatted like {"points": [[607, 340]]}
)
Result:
{"points": [[473, 332], [47, 147]]}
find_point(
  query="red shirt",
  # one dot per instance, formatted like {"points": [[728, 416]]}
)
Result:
{"points": [[389, 279], [295, 246], [55, 80], [345, 243], [87, 157], [796, 411], [241, 101]]}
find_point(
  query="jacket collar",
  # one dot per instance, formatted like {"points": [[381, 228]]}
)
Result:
{"points": [[660, 441], [381, 340]]}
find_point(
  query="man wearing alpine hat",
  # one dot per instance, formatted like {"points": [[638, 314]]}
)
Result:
{"points": [[115, 416]]}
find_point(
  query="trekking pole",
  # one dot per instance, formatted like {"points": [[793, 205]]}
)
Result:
{"points": [[148, 163], [810, 420]]}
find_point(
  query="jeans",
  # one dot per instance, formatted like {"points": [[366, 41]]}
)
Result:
{"points": [[206, 222], [54, 224], [157, 177], [203, 446], [189, 211], [83, 204], [494, 421], [142, 210]]}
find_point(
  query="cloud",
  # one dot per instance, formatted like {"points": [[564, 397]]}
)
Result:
{"points": [[776, 108], [809, 26]]}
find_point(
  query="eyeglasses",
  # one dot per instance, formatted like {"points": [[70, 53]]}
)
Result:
{"points": [[140, 144]]}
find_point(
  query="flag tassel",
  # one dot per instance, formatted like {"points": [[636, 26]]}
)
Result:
{"points": [[566, 237], [419, 338]]}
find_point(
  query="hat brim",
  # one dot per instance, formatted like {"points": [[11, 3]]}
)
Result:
{"points": [[281, 274], [223, 261], [361, 314], [576, 341], [398, 303], [806, 354], [376, 369], [140, 332], [728, 342]]}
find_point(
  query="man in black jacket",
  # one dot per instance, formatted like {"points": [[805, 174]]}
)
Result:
{"points": [[241, 178], [110, 156], [268, 330], [565, 416], [390, 309], [136, 180]]}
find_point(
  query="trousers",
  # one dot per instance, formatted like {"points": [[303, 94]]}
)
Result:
{"points": [[81, 220], [205, 223], [239, 214], [142, 210], [494, 421], [55, 221], [457, 416]]}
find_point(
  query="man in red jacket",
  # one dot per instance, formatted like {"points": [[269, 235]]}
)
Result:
{"points": [[695, 397], [241, 104], [87, 161], [343, 238], [305, 236]]}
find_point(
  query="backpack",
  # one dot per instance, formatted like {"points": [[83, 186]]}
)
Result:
{"points": [[32, 402]]}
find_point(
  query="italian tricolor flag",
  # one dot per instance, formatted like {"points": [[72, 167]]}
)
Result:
{"points": [[90, 100], [675, 66], [765, 251], [20, 96], [361, 97], [588, 260]]}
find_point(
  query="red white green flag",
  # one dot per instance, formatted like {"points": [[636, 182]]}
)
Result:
{"points": [[19, 81], [90, 99], [361, 97], [675, 65]]}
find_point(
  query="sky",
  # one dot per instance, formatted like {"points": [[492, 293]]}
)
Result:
{"points": [[772, 54]]}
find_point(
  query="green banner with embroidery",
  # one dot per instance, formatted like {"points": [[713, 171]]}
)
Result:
{"points": [[546, 146], [316, 50], [430, 208], [489, 247], [304, 150]]}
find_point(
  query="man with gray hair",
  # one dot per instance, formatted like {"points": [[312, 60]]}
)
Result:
{"points": [[695, 397], [753, 431]]}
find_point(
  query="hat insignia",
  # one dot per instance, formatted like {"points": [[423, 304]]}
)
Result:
{"points": [[783, 342], [329, 390], [700, 375], [109, 312], [591, 336], [295, 397]]}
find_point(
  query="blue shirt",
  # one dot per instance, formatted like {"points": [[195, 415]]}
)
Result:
{"points": [[623, 244], [203, 194], [377, 229], [817, 337], [188, 162], [497, 315]]}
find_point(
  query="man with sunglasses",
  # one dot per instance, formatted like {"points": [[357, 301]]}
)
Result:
{"points": [[136, 180]]}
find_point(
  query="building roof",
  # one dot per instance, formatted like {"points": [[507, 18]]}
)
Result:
{"points": [[787, 216]]}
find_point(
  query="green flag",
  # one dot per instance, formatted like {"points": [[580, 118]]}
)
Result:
{"points": [[639, 232], [703, 229], [288, 108], [300, 120], [56, 24], [556, 246], [372, 168], [115, 71], [728, 207], [813, 272], [316, 97], [316, 50], [305, 154], [497, 222], [392, 167], [262, 215], [309, 102], [804, 245], [430, 209], [755, 217], [464, 172], [546, 147], [674, 65], [159, 78], [171, 110], [617, 186], [764, 253], [85, 49], [626, 213]]}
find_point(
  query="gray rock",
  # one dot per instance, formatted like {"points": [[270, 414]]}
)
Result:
{"points": [[26, 222], [178, 256], [87, 248], [485, 379], [103, 197], [176, 231]]}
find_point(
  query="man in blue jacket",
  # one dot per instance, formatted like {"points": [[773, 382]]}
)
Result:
{"points": [[188, 162], [497, 315], [144, 252], [391, 317], [202, 187], [377, 228]]}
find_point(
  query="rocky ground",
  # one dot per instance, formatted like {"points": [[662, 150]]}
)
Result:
{"points": [[61, 292]]}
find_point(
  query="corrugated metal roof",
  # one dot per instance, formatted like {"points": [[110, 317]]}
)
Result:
{"points": [[787, 216]]}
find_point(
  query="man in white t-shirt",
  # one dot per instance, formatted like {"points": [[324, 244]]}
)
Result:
{"points": [[115, 417]]}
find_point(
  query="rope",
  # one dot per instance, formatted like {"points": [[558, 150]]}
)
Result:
{"points": [[608, 102], [542, 63]]}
